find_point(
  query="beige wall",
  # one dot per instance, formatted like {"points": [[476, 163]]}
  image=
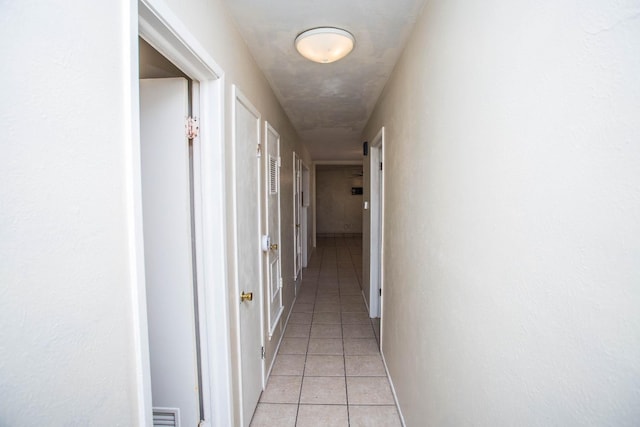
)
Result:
{"points": [[511, 272], [69, 354], [337, 210]]}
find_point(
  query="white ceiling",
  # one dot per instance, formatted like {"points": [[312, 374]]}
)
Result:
{"points": [[328, 104]]}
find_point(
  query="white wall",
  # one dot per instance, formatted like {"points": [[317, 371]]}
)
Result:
{"points": [[337, 210], [67, 355], [512, 272], [67, 287]]}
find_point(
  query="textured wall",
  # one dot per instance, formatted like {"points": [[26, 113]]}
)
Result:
{"points": [[512, 273], [67, 355], [66, 284], [337, 210]]}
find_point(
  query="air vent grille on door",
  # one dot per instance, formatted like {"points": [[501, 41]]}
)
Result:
{"points": [[163, 417], [273, 175]]}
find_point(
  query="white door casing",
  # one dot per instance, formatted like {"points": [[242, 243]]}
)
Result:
{"points": [[273, 267], [380, 208], [376, 192], [247, 191], [167, 227], [305, 193], [297, 220], [158, 25]]}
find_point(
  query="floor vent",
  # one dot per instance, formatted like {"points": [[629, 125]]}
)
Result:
{"points": [[166, 417]]}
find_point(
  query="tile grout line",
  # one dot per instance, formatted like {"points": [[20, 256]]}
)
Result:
{"points": [[331, 278], [344, 357], [306, 354]]}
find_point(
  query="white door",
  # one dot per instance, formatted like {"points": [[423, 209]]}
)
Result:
{"points": [[297, 222], [167, 228], [249, 254], [272, 221]]}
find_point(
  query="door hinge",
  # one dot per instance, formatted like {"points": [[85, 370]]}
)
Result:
{"points": [[380, 165], [192, 129], [262, 352], [380, 291], [259, 151], [279, 161], [280, 282]]}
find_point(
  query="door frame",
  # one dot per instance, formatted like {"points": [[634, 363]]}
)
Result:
{"points": [[297, 209], [160, 27], [271, 322], [313, 189], [376, 229], [304, 213]]}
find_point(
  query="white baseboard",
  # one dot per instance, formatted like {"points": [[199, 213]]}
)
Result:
{"points": [[364, 297], [393, 389], [284, 328]]}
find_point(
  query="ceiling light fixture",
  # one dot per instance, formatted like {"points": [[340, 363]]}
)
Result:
{"points": [[325, 44]]}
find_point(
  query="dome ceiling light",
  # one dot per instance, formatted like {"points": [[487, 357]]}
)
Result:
{"points": [[325, 44]]}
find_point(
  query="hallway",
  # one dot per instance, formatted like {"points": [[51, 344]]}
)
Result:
{"points": [[329, 370], [499, 145]]}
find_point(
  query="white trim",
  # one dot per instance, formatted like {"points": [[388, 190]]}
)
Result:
{"points": [[297, 184], [239, 97], [162, 29], [215, 252], [284, 327], [272, 323], [234, 221], [133, 193], [275, 321], [382, 234], [366, 303], [376, 208], [376, 156], [393, 389], [159, 26], [306, 253], [314, 211]]}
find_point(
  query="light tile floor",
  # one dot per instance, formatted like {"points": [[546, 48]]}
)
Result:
{"points": [[328, 371]]}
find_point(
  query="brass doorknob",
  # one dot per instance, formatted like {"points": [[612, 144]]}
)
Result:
{"points": [[246, 296], [273, 246]]}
